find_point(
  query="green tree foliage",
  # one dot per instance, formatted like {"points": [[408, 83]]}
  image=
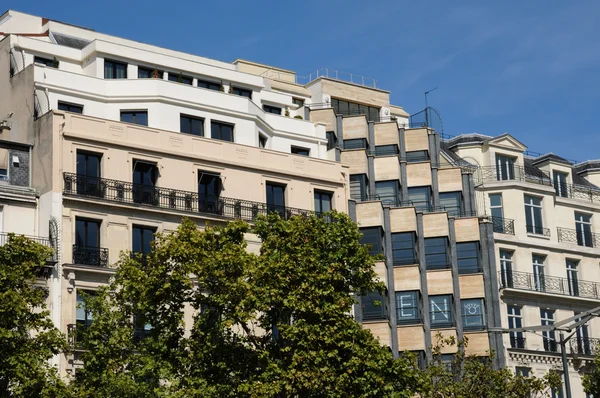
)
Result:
{"points": [[591, 380], [28, 338]]}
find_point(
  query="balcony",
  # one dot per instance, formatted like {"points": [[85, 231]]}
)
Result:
{"points": [[503, 225], [514, 173], [73, 330], [517, 342], [170, 199], [577, 237], [550, 345], [584, 346], [42, 241], [578, 192], [93, 256], [549, 284], [535, 230]]}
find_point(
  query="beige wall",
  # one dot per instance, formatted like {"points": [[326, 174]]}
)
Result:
{"points": [[326, 116], [435, 224], [369, 214], [471, 286], [450, 180], [355, 127], [418, 174], [354, 93], [407, 278], [386, 133], [440, 282], [356, 161], [381, 331], [416, 140], [387, 168], [403, 220], [466, 229], [411, 338]]}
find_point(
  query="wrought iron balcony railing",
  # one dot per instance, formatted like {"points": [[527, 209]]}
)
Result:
{"points": [[517, 342], [42, 241], [549, 284], [88, 255], [534, 229], [503, 225], [75, 333], [550, 345], [580, 192], [584, 345], [513, 173], [578, 237], [173, 199]]}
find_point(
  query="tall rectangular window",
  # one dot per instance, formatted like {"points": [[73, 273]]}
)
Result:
{"points": [[547, 318], [506, 268], [452, 203], [322, 202], [276, 198], [538, 272], [585, 345], [209, 190], [191, 125], [359, 187], [436, 253], [372, 237], [179, 78], [87, 243], [533, 215], [209, 85], [388, 192], [440, 311], [135, 117], [467, 257], [408, 307], [473, 314], [144, 178], [515, 321], [561, 187], [242, 92], [572, 277], [88, 174], [420, 197], [356, 143], [331, 140], [505, 167], [142, 237], [417, 156], [73, 108], [497, 212], [115, 70], [583, 226], [374, 306], [221, 131], [83, 318], [296, 150], [403, 248], [272, 109]]}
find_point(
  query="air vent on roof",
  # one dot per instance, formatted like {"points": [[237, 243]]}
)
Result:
{"points": [[70, 41]]}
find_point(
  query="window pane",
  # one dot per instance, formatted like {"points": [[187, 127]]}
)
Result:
{"points": [[403, 248], [496, 199], [358, 186], [467, 254], [388, 192], [372, 237], [436, 253], [359, 143], [386, 150], [440, 310], [473, 314], [417, 156], [374, 306], [407, 307], [451, 202], [420, 197]]}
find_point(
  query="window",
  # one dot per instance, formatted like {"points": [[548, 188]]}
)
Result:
{"points": [[115, 70], [373, 237], [322, 202], [505, 168], [135, 117], [408, 307], [357, 143], [515, 321], [572, 278], [296, 150], [142, 237], [417, 156], [497, 212], [87, 243], [452, 203], [51, 63], [374, 306], [561, 188], [341, 107], [331, 140], [83, 318], [142, 329], [179, 78], [506, 268], [359, 187], [299, 102], [585, 345], [467, 257], [272, 109], [242, 92], [147, 73], [63, 106], [440, 311], [473, 314], [557, 392], [447, 362], [191, 125], [522, 371], [388, 192], [145, 176], [276, 198], [533, 215], [547, 318], [436, 253], [209, 85], [386, 150], [221, 131], [583, 225], [3, 174], [538, 272], [209, 190], [420, 197], [262, 141], [88, 174], [403, 248]]}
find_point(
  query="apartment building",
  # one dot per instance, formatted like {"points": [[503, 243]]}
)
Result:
{"points": [[544, 211]]}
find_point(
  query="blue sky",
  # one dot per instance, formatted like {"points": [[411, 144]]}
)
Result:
{"points": [[530, 68]]}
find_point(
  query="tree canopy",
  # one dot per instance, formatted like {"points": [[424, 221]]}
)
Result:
{"points": [[591, 380]]}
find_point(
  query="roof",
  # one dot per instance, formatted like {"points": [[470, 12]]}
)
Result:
{"points": [[551, 157], [587, 165], [70, 41]]}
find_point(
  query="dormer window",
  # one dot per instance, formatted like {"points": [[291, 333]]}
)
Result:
{"points": [[561, 186], [505, 167]]}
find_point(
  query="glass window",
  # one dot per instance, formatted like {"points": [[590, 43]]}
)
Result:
{"points": [[572, 277], [505, 168], [515, 321], [440, 311], [417, 156], [221, 131], [467, 257], [63, 106], [88, 174], [87, 233], [115, 70], [331, 140], [142, 237], [272, 109], [51, 63], [342, 107], [191, 125], [583, 226], [83, 318], [506, 268], [262, 141], [408, 307], [403, 248], [533, 215], [373, 237], [359, 187], [296, 150], [242, 92], [148, 73], [299, 102], [436, 253], [357, 143], [145, 176], [522, 371], [276, 198], [386, 150], [452, 203], [388, 192], [179, 78], [549, 337], [561, 187], [538, 272], [209, 190], [322, 201], [374, 306], [497, 212], [473, 314], [420, 197], [209, 85], [135, 117]]}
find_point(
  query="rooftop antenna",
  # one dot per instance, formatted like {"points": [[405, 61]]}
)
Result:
{"points": [[427, 106]]}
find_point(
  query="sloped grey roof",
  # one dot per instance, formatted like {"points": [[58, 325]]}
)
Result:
{"points": [[551, 157], [70, 41]]}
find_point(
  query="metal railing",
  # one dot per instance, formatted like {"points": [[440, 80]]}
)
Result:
{"points": [[550, 345], [72, 330], [584, 345], [172, 199], [517, 342], [549, 284], [534, 229], [503, 225], [322, 72], [581, 238], [514, 173], [42, 241], [428, 117], [580, 192], [88, 255]]}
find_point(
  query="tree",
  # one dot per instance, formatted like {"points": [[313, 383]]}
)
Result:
{"points": [[271, 325], [28, 338], [591, 380], [475, 377]]}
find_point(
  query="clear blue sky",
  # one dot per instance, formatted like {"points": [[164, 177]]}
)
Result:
{"points": [[530, 68]]}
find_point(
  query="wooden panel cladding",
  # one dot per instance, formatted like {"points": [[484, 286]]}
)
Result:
{"points": [[445, 333], [381, 271], [435, 224], [326, 116], [407, 278], [479, 343], [416, 140], [450, 180], [466, 229], [355, 127], [471, 286], [356, 161], [369, 214], [381, 331], [403, 220], [386, 133], [440, 282], [352, 92], [418, 174], [411, 338], [387, 168]]}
